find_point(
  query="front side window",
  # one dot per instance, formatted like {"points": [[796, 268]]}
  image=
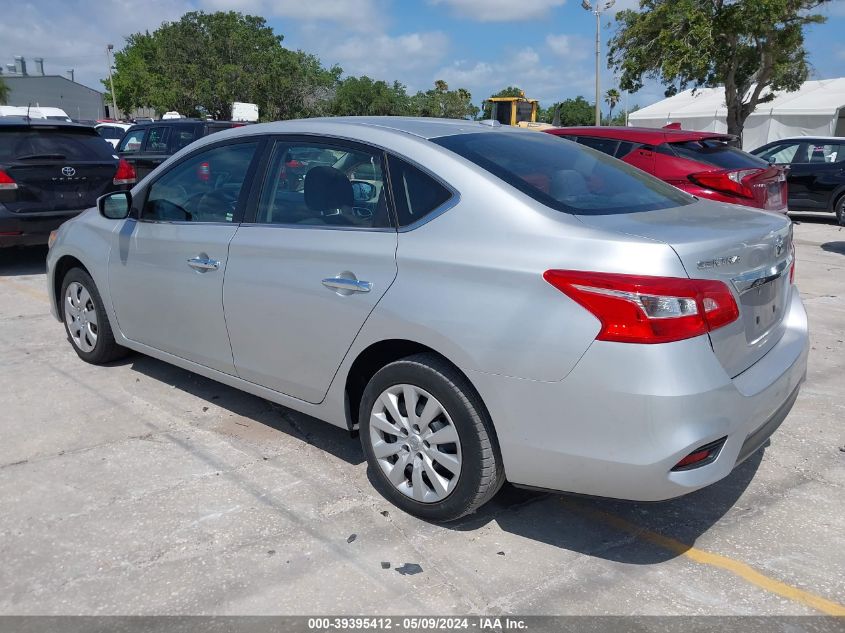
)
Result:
{"points": [[206, 187], [321, 184], [416, 194], [565, 176], [157, 139], [132, 142]]}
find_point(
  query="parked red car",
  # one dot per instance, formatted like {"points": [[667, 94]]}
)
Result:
{"points": [[704, 164]]}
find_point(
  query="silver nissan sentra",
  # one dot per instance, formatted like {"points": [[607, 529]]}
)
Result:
{"points": [[480, 303]]}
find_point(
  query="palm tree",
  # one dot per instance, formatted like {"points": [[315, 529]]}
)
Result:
{"points": [[611, 97]]}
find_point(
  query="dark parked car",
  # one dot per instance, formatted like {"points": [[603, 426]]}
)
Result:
{"points": [[816, 172], [705, 164], [51, 171], [147, 145]]}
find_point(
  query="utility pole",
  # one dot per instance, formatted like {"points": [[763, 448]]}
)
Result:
{"points": [[109, 49], [597, 10]]}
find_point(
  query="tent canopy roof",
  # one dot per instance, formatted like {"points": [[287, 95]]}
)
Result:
{"points": [[820, 97]]}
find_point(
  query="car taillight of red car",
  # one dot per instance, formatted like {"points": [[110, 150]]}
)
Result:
{"points": [[764, 187]]}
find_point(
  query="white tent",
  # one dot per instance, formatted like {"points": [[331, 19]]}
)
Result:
{"points": [[817, 109]]}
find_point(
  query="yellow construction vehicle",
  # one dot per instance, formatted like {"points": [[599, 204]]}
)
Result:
{"points": [[516, 111]]}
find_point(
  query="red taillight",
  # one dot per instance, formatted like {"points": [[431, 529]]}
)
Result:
{"points": [[640, 309], [125, 173], [732, 181], [7, 183]]}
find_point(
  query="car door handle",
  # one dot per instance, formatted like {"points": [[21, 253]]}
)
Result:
{"points": [[349, 285], [203, 264]]}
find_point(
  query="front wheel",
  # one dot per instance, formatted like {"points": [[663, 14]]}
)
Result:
{"points": [[85, 319], [428, 440], [840, 210]]}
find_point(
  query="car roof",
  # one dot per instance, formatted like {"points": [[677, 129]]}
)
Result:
{"points": [[24, 122], [639, 134]]}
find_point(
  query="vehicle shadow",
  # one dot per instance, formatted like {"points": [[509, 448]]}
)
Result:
{"points": [[15, 261], [325, 436], [834, 247], [622, 531], [636, 533]]}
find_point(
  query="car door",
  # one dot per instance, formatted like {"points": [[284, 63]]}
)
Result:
{"points": [[307, 270], [816, 171], [166, 268], [790, 154]]}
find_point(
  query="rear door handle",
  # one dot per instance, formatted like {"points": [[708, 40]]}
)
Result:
{"points": [[348, 285], [203, 264]]}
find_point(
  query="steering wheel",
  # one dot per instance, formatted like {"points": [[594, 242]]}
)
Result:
{"points": [[206, 206]]}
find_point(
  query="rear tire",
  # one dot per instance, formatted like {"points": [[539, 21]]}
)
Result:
{"points": [[86, 322], [455, 473]]}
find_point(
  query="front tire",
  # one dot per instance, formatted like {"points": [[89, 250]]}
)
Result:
{"points": [[428, 439], [839, 209], [86, 322]]}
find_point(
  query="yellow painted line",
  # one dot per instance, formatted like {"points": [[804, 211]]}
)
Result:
{"points": [[32, 292], [746, 572]]}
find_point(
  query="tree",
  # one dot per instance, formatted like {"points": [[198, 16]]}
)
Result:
{"points": [[510, 91], [202, 63], [4, 92], [362, 96], [750, 47], [611, 98], [444, 103], [577, 111]]}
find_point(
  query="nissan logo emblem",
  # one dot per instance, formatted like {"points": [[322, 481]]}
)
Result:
{"points": [[68, 171]]}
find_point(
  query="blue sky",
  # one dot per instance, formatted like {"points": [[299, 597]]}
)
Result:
{"points": [[543, 46]]}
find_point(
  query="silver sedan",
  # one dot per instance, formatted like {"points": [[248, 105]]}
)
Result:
{"points": [[480, 303]]}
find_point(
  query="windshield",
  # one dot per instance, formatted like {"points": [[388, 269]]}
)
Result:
{"points": [[23, 144], [564, 175], [718, 153]]}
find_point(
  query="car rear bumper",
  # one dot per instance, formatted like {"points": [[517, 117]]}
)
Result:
{"points": [[627, 414], [32, 228]]}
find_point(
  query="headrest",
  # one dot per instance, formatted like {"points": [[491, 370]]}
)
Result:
{"points": [[327, 188]]}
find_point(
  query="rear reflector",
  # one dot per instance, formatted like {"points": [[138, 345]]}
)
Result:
{"points": [[640, 309], [701, 456], [7, 183], [125, 173]]}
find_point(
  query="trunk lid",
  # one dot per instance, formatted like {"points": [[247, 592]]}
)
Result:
{"points": [[59, 185], [749, 250]]}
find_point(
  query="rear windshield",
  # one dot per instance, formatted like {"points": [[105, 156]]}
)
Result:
{"points": [[564, 175], [717, 153], [52, 144]]}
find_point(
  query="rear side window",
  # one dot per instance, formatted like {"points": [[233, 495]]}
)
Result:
{"points": [[717, 153], [606, 145], [182, 137], [132, 142], [53, 144], [415, 193], [110, 132], [779, 154], [564, 176]]}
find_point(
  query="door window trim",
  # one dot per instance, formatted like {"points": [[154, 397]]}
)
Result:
{"points": [[244, 196], [251, 215]]}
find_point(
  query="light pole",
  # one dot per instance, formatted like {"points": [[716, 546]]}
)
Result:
{"points": [[109, 49], [600, 5]]}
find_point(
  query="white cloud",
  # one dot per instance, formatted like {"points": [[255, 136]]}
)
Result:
{"points": [[568, 46], [386, 57], [501, 10], [74, 33], [360, 15]]}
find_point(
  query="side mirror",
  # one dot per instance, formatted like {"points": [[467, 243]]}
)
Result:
{"points": [[363, 191], [115, 205]]}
